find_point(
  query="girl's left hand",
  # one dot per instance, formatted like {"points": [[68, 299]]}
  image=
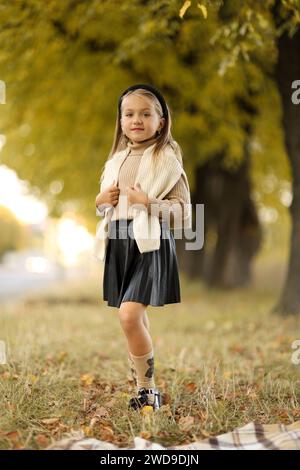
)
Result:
{"points": [[136, 195]]}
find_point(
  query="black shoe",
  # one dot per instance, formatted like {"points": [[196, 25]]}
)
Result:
{"points": [[143, 400]]}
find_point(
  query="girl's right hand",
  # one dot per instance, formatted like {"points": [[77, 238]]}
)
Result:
{"points": [[108, 196]]}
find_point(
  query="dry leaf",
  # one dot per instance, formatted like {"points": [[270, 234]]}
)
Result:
{"points": [[42, 440], [186, 422], [101, 412], [227, 374], [94, 421], [32, 378], [147, 410], [87, 431], [146, 435], [237, 348], [191, 387], [87, 379], [5, 375], [166, 410], [13, 436], [111, 403], [166, 398], [50, 421], [205, 433], [106, 433]]}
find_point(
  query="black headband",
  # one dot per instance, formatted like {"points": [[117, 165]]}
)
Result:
{"points": [[150, 88]]}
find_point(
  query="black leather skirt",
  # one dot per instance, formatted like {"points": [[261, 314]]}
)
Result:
{"points": [[151, 278]]}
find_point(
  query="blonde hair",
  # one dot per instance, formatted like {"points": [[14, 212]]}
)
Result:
{"points": [[164, 139]]}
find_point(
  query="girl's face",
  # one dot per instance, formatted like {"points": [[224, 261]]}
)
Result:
{"points": [[139, 119]]}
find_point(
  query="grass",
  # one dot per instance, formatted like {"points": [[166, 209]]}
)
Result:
{"points": [[221, 359]]}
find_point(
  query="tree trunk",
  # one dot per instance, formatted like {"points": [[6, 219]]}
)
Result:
{"points": [[232, 230], [191, 261], [238, 230], [288, 70]]}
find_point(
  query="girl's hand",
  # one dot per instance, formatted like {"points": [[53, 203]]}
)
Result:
{"points": [[108, 196], [136, 195]]}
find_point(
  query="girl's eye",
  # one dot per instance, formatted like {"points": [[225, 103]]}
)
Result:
{"points": [[145, 114]]}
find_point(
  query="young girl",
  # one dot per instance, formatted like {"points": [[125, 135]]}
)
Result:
{"points": [[144, 170]]}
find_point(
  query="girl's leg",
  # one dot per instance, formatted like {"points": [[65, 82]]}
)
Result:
{"points": [[135, 324], [133, 319], [146, 321], [130, 361]]}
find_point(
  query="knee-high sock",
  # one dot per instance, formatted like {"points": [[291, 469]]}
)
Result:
{"points": [[144, 367], [132, 368]]}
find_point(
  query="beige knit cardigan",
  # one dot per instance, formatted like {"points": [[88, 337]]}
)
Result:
{"points": [[156, 181]]}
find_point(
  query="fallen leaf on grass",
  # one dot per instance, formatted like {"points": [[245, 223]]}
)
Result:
{"points": [[146, 435], [106, 433], [227, 374], [42, 440], [50, 421], [147, 410], [186, 422], [87, 379], [10, 406], [5, 375], [166, 399], [99, 414], [87, 431], [32, 378], [14, 438], [205, 433], [237, 348], [191, 387], [111, 403], [166, 410]]}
